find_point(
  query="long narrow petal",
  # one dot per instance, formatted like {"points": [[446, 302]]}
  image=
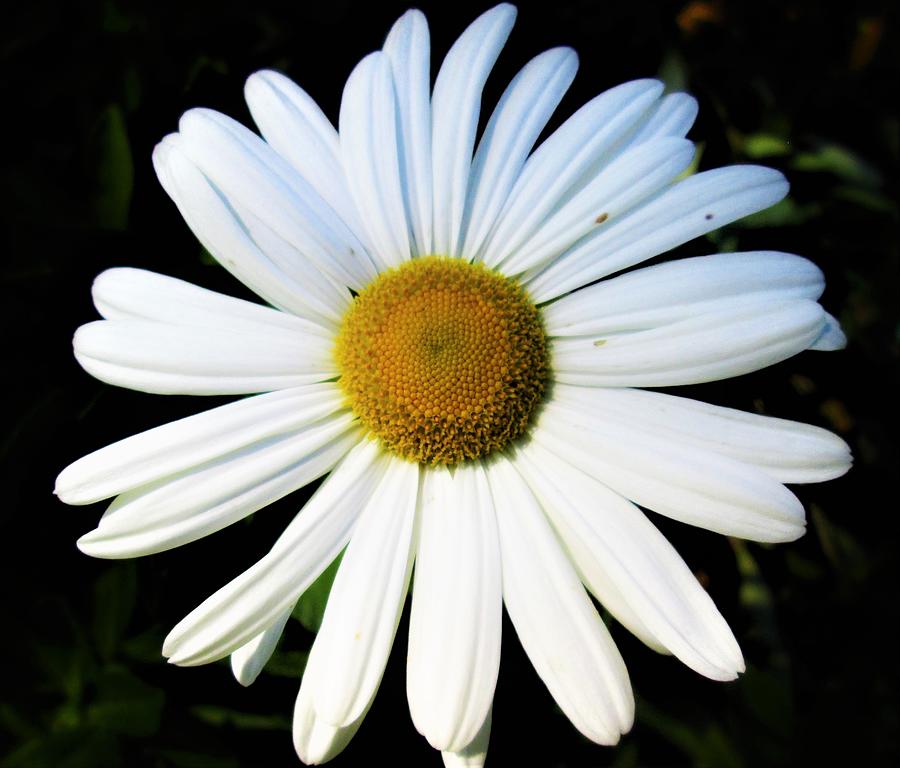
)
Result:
{"points": [[473, 754], [557, 624], [566, 161], [408, 47], [172, 448], [455, 107], [455, 624], [517, 121], [315, 740], [789, 451], [611, 541], [673, 115], [297, 129], [190, 360], [736, 339], [371, 157], [351, 649], [201, 500], [248, 660], [693, 207], [247, 605], [269, 269], [628, 180], [686, 483], [677, 290]]}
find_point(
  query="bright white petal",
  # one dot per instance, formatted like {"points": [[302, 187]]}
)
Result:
{"points": [[201, 500], [172, 448], [517, 121], [682, 289], [255, 180], [474, 754], [629, 179], [352, 647], [455, 623], [557, 624], [408, 47], [297, 129], [743, 336], [315, 740], [789, 451], [566, 161], [455, 107], [247, 605], [612, 542], [832, 337], [684, 482], [191, 360], [672, 116], [248, 660], [371, 157], [694, 206], [278, 277]]}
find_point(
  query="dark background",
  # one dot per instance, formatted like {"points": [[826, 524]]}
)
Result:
{"points": [[90, 87]]}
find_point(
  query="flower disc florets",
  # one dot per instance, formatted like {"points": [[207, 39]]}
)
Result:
{"points": [[443, 360]]}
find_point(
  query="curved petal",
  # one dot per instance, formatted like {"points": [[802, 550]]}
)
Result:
{"points": [[455, 623], [315, 740], [191, 360], [789, 451], [296, 128], [678, 290], [371, 158], [611, 541], [740, 337], [204, 499], [455, 107], [557, 624], [681, 481], [248, 660], [568, 159], [517, 121], [692, 207], [351, 649], [180, 445], [271, 269], [673, 115], [248, 604], [473, 754], [408, 47]]}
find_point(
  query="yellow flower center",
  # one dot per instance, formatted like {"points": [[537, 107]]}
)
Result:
{"points": [[443, 360]]}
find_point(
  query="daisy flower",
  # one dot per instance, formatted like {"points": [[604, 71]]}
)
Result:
{"points": [[453, 341]]}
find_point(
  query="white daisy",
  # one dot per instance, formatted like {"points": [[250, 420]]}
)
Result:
{"points": [[439, 347]]}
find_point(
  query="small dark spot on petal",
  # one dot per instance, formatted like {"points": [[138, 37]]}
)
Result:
{"points": [[601, 218], [708, 216], [599, 342]]}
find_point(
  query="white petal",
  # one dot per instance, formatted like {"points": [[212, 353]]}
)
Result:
{"points": [[248, 660], [192, 360], [351, 649], [629, 179], [566, 161], [279, 278], [672, 116], [408, 47], [201, 500], [832, 337], [694, 206], [744, 336], [684, 482], [678, 290], [124, 293], [611, 541], [315, 740], [192, 441], [455, 107], [473, 754], [515, 125], [255, 179], [371, 158], [455, 624], [297, 129], [247, 605], [557, 624], [787, 450]]}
